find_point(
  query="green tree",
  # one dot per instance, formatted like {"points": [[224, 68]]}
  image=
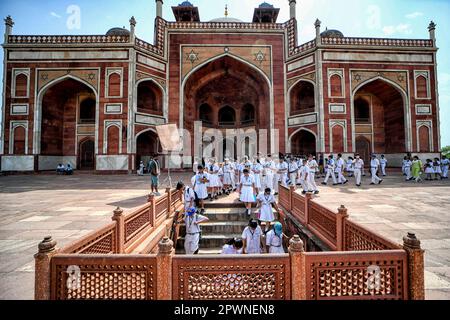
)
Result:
{"points": [[446, 151]]}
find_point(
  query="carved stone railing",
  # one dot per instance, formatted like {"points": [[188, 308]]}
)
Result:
{"points": [[359, 238], [304, 47], [356, 275], [379, 42], [256, 277], [66, 39]]}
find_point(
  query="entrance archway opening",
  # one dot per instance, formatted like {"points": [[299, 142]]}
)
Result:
{"points": [[66, 105], [303, 143], [362, 110], [149, 98], [363, 147], [147, 145], [227, 117], [388, 115], [302, 98]]}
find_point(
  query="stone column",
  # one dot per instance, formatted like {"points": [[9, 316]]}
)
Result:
{"points": [[159, 5], [298, 272], [132, 29], [341, 217], [416, 273], [292, 8], [9, 23], [431, 30], [318, 37], [47, 249], [164, 269], [120, 230]]}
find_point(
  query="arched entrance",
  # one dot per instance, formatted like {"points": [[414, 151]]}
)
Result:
{"points": [[363, 148], [67, 124], [228, 95], [86, 154], [149, 98], [303, 143], [302, 98], [147, 145], [379, 112]]}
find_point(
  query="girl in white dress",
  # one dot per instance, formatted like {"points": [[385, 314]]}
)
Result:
{"points": [[429, 170], [228, 175], [274, 239], [251, 237], [437, 169], [233, 246], [265, 202], [214, 182], [200, 186], [247, 191], [257, 169], [192, 221]]}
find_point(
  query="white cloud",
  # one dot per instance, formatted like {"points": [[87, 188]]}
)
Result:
{"points": [[401, 28], [54, 14], [414, 15]]}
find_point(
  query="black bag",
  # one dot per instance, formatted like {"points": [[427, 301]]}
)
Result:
{"points": [[196, 199]]}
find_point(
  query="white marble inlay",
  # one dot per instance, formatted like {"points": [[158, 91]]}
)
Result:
{"points": [[140, 118], [18, 163], [312, 118], [363, 56], [112, 163], [151, 63], [300, 63], [66, 55]]}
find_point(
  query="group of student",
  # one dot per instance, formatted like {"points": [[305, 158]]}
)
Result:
{"points": [[67, 170], [413, 168], [254, 239], [252, 178]]}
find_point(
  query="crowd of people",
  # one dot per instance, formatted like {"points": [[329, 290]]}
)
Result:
{"points": [[434, 169]]}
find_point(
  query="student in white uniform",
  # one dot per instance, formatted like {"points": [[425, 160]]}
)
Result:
{"points": [[247, 191], [437, 169], [429, 169], [269, 172], [192, 221], [293, 172], [188, 196], [283, 172], [257, 169], [214, 182], [266, 203], [312, 168], [251, 236], [200, 186], [330, 168], [349, 167], [374, 166], [405, 159], [358, 165], [195, 166], [233, 246], [383, 164], [303, 174], [274, 239], [141, 168], [228, 173], [340, 169], [445, 162], [407, 163]]}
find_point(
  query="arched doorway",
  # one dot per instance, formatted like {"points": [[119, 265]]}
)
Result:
{"points": [[363, 148], [147, 145], [379, 111], [237, 94], [67, 122], [86, 154], [302, 98], [149, 98], [303, 143]]}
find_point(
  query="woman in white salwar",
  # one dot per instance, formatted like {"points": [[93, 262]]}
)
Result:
{"points": [[266, 203], [247, 191], [274, 239], [192, 221], [252, 238]]}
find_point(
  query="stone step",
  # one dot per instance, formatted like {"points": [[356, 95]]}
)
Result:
{"points": [[223, 227], [227, 216], [209, 241]]}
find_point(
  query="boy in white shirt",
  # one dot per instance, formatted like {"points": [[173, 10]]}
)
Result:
{"points": [[251, 237], [374, 165], [358, 165], [383, 164]]}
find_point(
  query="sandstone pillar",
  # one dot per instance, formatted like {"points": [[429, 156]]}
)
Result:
{"points": [[298, 279], [47, 249], [416, 272], [341, 217], [164, 269], [120, 230]]}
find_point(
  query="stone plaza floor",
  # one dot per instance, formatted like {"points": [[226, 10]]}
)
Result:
{"points": [[68, 207]]}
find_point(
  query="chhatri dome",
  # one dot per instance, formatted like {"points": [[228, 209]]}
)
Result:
{"points": [[118, 32], [332, 33], [226, 18]]}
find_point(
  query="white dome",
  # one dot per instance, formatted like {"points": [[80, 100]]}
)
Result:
{"points": [[226, 19]]}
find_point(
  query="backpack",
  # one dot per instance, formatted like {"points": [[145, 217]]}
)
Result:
{"points": [[196, 199]]}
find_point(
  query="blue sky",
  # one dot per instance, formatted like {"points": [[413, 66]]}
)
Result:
{"points": [[365, 18]]}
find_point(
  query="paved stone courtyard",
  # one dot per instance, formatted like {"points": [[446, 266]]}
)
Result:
{"points": [[33, 206]]}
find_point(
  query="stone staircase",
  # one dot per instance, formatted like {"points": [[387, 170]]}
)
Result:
{"points": [[225, 222]]}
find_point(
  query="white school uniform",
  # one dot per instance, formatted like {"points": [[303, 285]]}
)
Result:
{"points": [[374, 165], [253, 240], [268, 179], [445, 164], [407, 168], [201, 187], [247, 194], [358, 165], [214, 181], [228, 174], [282, 173], [192, 238], [383, 164], [266, 211], [312, 166], [189, 196], [257, 173], [349, 166], [274, 242], [437, 167], [293, 171], [302, 177], [330, 171], [339, 169], [429, 169], [229, 249]]}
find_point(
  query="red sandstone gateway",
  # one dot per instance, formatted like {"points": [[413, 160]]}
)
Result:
{"points": [[333, 94]]}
